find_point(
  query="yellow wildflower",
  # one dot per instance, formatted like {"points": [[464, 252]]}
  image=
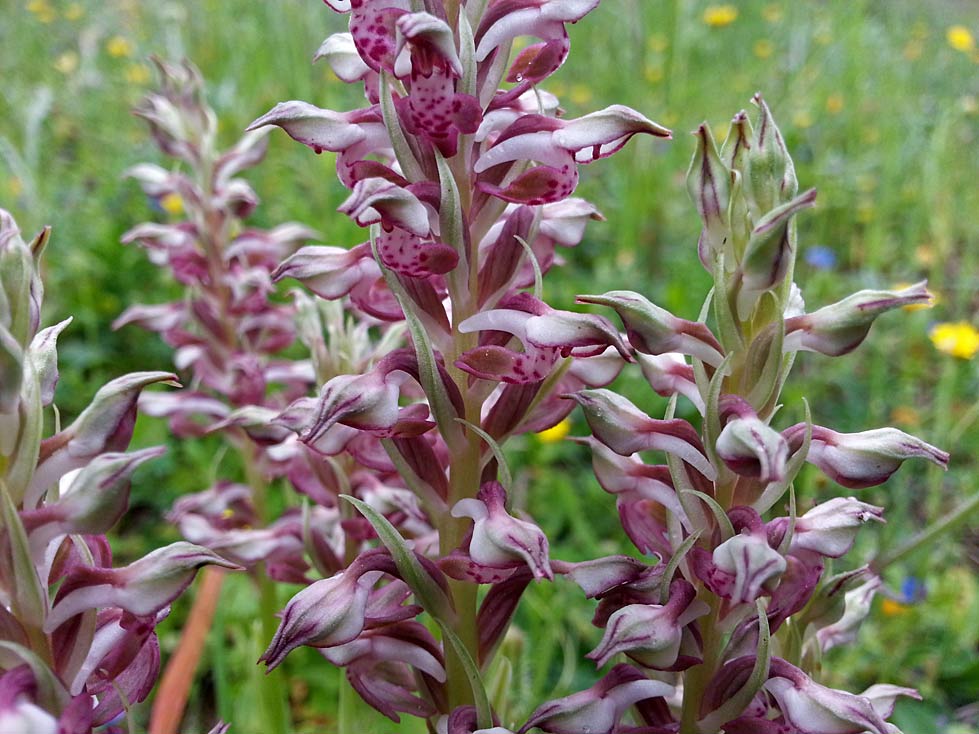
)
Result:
{"points": [[865, 210], [834, 103], [15, 187], [960, 38], [138, 74], [969, 104], [905, 415], [772, 13], [658, 43], [119, 47], [925, 255], [718, 16], [42, 10], [763, 48], [555, 433], [67, 62], [892, 608], [653, 74], [74, 11], [580, 94], [802, 119], [172, 204], [959, 339]]}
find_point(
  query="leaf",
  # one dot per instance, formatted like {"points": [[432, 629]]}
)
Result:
{"points": [[29, 597], [484, 714], [506, 479], [538, 276], [51, 694], [723, 521], [428, 593], [674, 562], [402, 150]]}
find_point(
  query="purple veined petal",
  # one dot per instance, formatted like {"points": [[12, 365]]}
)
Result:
{"points": [[856, 608], [375, 200], [161, 317], [18, 714], [841, 327], [434, 33], [312, 126], [340, 6], [600, 134], [330, 272], [740, 568], [566, 330], [865, 459], [669, 374], [882, 697], [751, 448], [142, 588], [533, 145], [599, 708], [498, 538], [501, 115], [544, 19], [342, 56], [538, 61], [105, 425], [564, 221], [134, 682], [813, 708], [830, 527], [44, 355], [539, 185], [410, 255], [373, 28]]}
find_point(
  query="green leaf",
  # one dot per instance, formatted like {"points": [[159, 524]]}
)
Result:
{"points": [[506, 479], [674, 562], [484, 714], [538, 276], [51, 694], [723, 521], [402, 150], [428, 593], [29, 597]]}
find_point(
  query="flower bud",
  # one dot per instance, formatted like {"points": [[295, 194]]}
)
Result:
{"points": [[866, 459], [498, 538], [142, 588], [740, 567], [105, 425], [752, 448], [708, 183], [625, 429], [327, 612], [599, 708], [839, 328], [815, 709], [651, 633], [769, 173], [654, 330], [856, 608], [830, 528]]}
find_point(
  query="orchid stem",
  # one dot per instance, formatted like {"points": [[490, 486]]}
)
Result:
{"points": [[949, 522]]}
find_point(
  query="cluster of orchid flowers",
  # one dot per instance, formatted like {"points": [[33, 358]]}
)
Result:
{"points": [[429, 346], [466, 190], [77, 636]]}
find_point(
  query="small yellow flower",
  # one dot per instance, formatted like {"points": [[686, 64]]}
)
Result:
{"points": [[772, 13], [580, 94], [834, 103], [67, 62], [802, 119], [555, 433], [969, 104], [15, 187], [172, 204], [718, 16], [763, 48], [119, 47], [42, 10], [960, 38], [916, 306], [653, 74], [865, 210], [924, 255], [658, 43], [892, 608], [905, 415], [74, 11], [138, 74], [959, 339]]}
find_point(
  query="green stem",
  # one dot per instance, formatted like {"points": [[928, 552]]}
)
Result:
{"points": [[949, 522]]}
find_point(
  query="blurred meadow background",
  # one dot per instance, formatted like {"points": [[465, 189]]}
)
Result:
{"points": [[879, 105]]}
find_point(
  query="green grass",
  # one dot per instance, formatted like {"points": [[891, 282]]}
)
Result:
{"points": [[879, 111]]}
